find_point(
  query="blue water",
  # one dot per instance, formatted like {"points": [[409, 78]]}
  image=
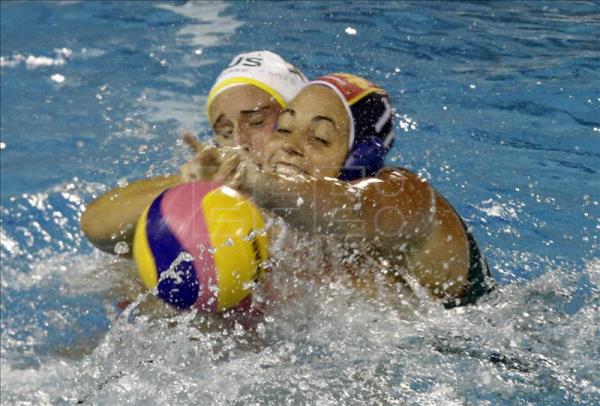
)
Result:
{"points": [[498, 105]]}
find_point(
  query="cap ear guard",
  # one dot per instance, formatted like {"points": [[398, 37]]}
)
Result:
{"points": [[366, 159], [374, 136], [371, 123]]}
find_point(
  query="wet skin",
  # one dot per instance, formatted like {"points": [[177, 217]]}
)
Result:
{"points": [[241, 116], [311, 136], [244, 116], [396, 216]]}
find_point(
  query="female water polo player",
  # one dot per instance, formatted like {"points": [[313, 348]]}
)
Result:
{"points": [[243, 106], [327, 153]]}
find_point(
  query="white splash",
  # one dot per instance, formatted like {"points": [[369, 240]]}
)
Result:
{"points": [[61, 55], [407, 123], [172, 271], [507, 210], [57, 77]]}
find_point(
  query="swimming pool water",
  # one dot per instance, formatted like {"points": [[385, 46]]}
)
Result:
{"points": [[498, 105]]}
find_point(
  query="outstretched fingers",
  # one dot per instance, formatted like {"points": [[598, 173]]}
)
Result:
{"points": [[192, 141]]}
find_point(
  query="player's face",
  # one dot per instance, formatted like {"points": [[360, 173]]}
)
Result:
{"points": [[243, 116], [311, 137]]}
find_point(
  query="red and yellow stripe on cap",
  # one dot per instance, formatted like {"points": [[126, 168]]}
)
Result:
{"points": [[352, 87]]}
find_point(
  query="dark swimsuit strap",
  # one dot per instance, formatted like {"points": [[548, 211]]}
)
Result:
{"points": [[480, 279], [479, 275]]}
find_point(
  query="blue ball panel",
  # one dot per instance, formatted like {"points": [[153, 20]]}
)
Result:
{"points": [[165, 249]]}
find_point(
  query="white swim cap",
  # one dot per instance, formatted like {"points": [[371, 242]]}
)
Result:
{"points": [[263, 69]]}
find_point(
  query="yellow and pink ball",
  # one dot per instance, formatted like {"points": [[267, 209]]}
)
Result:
{"points": [[201, 244]]}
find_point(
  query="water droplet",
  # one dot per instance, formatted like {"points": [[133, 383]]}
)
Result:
{"points": [[261, 330], [121, 248], [238, 330], [57, 77], [251, 236]]}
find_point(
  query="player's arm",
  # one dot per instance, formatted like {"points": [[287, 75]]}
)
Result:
{"points": [[395, 207], [112, 217]]}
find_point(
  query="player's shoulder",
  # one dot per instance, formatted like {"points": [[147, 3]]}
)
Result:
{"points": [[394, 173]]}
